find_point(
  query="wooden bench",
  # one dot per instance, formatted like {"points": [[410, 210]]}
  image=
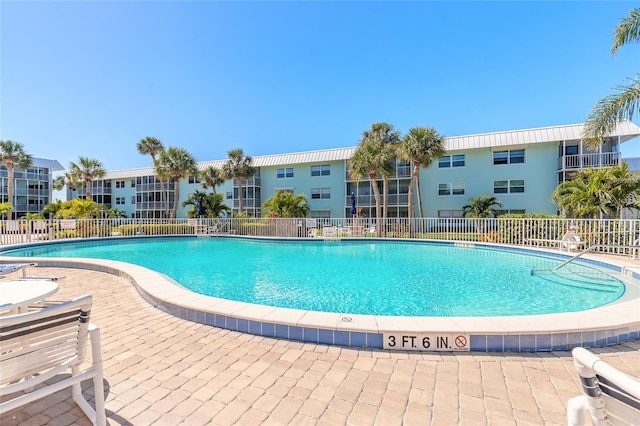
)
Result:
{"points": [[39, 345]]}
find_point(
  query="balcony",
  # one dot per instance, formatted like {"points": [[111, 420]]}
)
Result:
{"points": [[254, 181], [401, 173], [151, 187], [18, 174], [250, 202], [369, 200], [583, 161], [153, 205]]}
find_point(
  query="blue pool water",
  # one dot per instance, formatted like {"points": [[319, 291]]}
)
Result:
{"points": [[375, 278]]}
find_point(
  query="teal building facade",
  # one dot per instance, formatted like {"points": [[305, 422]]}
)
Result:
{"points": [[520, 168]]}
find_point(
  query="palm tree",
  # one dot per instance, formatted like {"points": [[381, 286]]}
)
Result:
{"points": [[624, 188], [5, 210], [86, 170], [238, 167], [79, 209], [420, 146], [212, 204], [372, 159], [285, 204], [210, 178], [592, 192], [176, 163], [153, 147], [584, 195], [70, 180], [385, 136], [51, 209], [115, 213], [13, 155], [481, 206], [612, 109]]}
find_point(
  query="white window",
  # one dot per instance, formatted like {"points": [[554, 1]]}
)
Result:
{"points": [[321, 193], [515, 156], [323, 170], [451, 161], [194, 179], [285, 173], [119, 184], [451, 188], [120, 200], [449, 214], [513, 186]]}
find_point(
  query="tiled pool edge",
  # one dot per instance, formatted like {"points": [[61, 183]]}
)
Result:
{"points": [[492, 334]]}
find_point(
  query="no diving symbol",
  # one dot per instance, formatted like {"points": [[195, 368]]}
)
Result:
{"points": [[461, 341]]}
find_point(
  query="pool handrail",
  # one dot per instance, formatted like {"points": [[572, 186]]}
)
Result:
{"points": [[610, 396]]}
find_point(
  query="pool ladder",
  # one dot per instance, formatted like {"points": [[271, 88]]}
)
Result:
{"points": [[590, 248]]}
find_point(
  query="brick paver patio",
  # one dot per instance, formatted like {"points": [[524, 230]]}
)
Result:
{"points": [[162, 370]]}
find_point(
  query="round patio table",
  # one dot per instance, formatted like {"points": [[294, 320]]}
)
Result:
{"points": [[16, 296]]}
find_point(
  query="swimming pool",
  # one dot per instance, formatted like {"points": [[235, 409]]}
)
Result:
{"points": [[370, 278], [613, 323]]}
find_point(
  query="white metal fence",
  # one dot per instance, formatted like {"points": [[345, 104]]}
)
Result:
{"points": [[613, 236]]}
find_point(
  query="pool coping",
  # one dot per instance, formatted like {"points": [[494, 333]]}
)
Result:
{"points": [[611, 324]]}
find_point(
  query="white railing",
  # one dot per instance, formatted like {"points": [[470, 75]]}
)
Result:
{"points": [[580, 161], [544, 232]]}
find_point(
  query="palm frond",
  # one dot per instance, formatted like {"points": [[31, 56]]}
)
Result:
{"points": [[611, 110], [627, 31]]}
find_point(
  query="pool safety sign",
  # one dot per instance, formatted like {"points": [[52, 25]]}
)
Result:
{"points": [[426, 342]]}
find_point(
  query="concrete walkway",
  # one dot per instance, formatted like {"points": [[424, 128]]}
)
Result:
{"points": [[161, 370]]}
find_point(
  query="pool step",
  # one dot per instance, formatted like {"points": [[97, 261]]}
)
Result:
{"points": [[581, 279]]}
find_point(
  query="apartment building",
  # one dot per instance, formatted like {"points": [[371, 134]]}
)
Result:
{"points": [[521, 168], [32, 187]]}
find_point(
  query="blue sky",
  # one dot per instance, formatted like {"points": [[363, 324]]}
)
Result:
{"points": [[85, 78]]}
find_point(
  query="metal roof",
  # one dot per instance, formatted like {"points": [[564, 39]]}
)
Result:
{"points": [[626, 130], [129, 173], [52, 165]]}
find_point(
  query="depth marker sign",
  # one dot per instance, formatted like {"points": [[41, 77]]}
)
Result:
{"points": [[435, 342]]}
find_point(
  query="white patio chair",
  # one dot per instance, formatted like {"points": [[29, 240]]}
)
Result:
{"points": [[39, 345], [611, 396], [329, 232]]}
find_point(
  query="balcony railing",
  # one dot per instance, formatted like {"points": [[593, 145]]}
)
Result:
{"points": [[149, 187], [95, 191], [24, 175], [254, 181], [369, 200], [401, 173], [153, 205], [247, 202], [582, 161]]}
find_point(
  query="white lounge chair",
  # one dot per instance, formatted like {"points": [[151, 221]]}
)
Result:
{"points": [[611, 396], [8, 268], [38, 345]]}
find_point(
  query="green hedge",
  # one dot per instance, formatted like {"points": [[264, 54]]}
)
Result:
{"points": [[155, 229]]}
